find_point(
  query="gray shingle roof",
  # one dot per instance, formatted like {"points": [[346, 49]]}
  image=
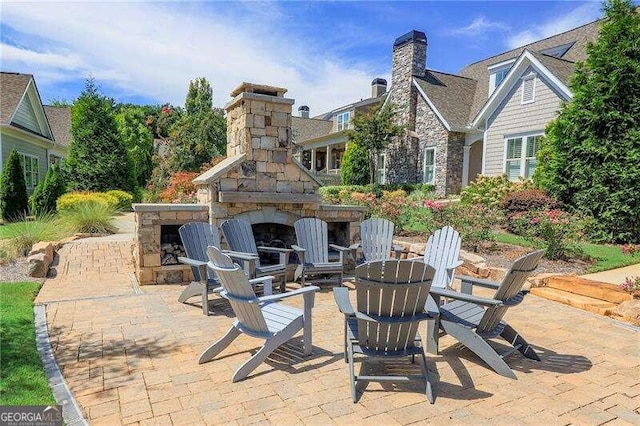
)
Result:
{"points": [[452, 95], [309, 128], [559, 67], [12, 88], [59, 118], [578, 52]]}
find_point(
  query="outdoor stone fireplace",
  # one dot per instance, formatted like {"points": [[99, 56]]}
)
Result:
{"points": [[259, 181]]}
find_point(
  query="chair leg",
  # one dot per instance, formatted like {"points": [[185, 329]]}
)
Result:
{"points": [[352, 374], [193, 289], [269, 346], [219, 345], [517, 341], [307, 327], [429, 389], [283, 284], [479, 346], [205, 300]]}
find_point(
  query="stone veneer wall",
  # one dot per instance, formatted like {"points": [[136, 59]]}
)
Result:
{"points": [[146, 251], [409, 59]]}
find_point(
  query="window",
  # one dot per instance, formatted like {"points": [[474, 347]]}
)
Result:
{"points": [[528, 89], [380, 168], [31, 167], [429, 166], [343, 120], [500, 75], [520, 158]]}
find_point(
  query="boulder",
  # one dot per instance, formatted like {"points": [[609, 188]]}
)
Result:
{"points": [[42, 247], [629, 309], [40, 258]]}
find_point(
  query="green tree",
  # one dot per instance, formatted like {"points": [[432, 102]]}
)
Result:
{"points": [[13, 189], [97, 160], [47, 192], [590, 159], [200, 133], [373, 131], [137, 139], [355, 165]]}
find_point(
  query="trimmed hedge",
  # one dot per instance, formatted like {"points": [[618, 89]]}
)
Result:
{"points": [[124, 199], [74, 200]]}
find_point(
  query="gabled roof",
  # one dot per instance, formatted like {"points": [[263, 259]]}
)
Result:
{"points": [[559, 67], [450, 95], [59, 118], [12, 88], [310, 128], [577, 52]]}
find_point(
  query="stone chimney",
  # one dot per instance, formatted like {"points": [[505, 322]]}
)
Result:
{"points": [[378, 87], [303, 111], [409, 59]]}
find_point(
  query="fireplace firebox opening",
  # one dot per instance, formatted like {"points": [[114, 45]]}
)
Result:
{"points": [[170, 245]]}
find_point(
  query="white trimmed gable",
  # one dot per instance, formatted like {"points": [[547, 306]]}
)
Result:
{"points": [[30, 114]]}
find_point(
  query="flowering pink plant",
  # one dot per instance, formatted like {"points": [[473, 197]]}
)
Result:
{"points": [[631, 249], [632, 286], [433, 205]]}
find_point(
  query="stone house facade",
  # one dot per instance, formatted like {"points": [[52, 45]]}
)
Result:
{"points": [[485, 120]]}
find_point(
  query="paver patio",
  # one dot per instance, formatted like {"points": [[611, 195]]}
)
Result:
{"points": [[132, 358]]}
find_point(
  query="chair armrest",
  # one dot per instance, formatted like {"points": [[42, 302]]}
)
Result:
{"points": [[280, 296], [297, 249], [191, 262], [341, 296], [339, 248], [274, 249], [261, 279], [241, 255], [455, 264], [479, 282], [354, 246], [441, 292]]}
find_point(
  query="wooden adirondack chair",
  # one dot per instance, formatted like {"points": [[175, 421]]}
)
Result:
{"points": [[196, 236], [239, 236], [258, 317], [391, 298], [443, 253], [313, 250], [473, 320], [376, 241]]}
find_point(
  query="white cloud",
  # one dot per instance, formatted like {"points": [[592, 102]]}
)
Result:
{"points": [[154, 49], [581, 15], [478, 26]]}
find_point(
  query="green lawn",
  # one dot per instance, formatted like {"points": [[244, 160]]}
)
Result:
{"points": [[22, 377], [606, 256], [10, 230]]}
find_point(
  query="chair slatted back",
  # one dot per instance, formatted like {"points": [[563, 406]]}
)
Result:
{"points": [[239, 236], [311, 234], [390, 290], [442, 250], [238, 291], [196, 237], [376, 235], [511, 285]]}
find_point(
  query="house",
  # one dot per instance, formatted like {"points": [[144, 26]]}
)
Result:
{"points": [[487, 119], [39, 133]]}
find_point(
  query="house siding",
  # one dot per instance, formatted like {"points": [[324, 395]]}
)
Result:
{"points": [[9, 143], [25, 116], [512, 118]]}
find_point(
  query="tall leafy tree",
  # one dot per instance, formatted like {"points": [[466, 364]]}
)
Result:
{"points": [[199, 134], [137, 139], [97, 160], [13, 189], [591, 156], [373, 130]]}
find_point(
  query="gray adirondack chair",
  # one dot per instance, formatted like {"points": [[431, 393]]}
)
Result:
{"points": [[474, 320], [240, 238], [196, 236], [376, 241], [443, 253], [391, 298], [258, 317], [313, 250]]}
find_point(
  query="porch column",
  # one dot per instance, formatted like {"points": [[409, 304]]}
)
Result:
{"points": [[313, 159], [465, 165], [329, 159]]}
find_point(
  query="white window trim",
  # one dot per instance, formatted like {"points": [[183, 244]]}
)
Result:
{"points": [[525, 78], [24, 170], [523, 158], [347, 113], [384, 167], [494, 72], [424, 164]]}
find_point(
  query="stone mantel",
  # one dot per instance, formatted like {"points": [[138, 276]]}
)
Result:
{"points": [[152, 207]]}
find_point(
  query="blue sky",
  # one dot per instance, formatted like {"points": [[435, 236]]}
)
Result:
{"points": [[325, 53]]}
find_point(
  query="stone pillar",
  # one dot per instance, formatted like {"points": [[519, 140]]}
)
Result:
{"points": [[409, 59]]}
